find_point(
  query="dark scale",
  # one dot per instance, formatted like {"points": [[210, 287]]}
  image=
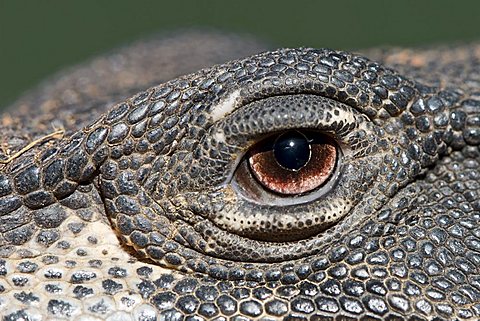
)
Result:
{"points": [[25, 297], [292, 150], [60, 308], [99, 307], [19, 281]]}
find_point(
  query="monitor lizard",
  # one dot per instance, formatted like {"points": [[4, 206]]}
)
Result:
{"points": [[161, 182]]}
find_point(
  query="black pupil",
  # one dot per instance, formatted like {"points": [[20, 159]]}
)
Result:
{"points": [[292, 150]]}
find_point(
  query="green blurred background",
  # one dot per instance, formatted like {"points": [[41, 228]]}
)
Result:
{"points": [[38, 38]]}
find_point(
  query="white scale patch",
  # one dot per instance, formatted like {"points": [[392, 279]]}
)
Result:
{"points": [[230, 220], [225, 107], [219, 137], [108, 250]]}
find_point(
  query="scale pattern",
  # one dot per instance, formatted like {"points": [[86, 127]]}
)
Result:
{"points": [[122, 213]]}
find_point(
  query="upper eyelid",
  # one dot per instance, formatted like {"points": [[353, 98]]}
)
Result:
{"points": [[229, 146], [241, 114], [254, 135]]}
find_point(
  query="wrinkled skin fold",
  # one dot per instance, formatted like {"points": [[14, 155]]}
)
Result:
{"points": [[125, 193]]}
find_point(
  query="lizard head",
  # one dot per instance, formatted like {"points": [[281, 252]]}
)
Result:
{"points": [[196, 178], [313, 183]]}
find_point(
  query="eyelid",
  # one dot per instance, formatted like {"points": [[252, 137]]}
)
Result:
{"points": [[272, 220], [238, 131], [243, 141]]}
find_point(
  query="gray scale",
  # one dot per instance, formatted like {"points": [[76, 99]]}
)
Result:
{"points": [[142, 206]]}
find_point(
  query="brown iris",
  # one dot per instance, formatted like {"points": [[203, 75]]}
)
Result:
{"points": [[293, 162]]}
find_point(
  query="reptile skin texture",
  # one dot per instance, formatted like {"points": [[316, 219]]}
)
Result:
{"points": [[126, 194]]}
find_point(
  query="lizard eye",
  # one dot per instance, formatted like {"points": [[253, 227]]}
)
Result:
{"points": [[269, 181], [293, 162]]}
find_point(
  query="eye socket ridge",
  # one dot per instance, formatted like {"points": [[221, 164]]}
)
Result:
{"points": [[280, 212], [300, 152]]}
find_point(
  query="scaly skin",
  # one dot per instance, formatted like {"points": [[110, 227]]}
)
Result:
{"points": [[120, 198]]}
